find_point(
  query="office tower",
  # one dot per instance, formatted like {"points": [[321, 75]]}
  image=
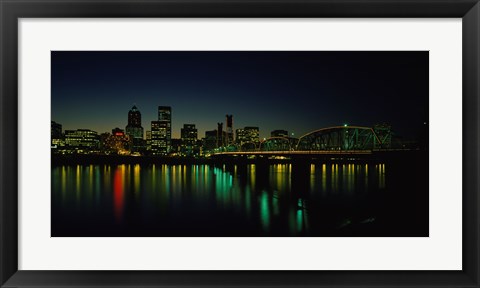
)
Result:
{"points": [[56, 130], [81, 138], [248, 135], [189, 137], [158, 135], [165, 126], [229, 130], [220, 142], [279, 133], [134, 129], [56, 139], [210, 140]]}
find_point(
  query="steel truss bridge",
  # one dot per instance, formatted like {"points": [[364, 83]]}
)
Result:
{"points": [[332, 140]]}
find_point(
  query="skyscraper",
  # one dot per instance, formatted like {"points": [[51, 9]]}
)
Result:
{"points": [[56, 139], [189, 136], [157, 138], [220, 135], [162, 135], [134, 129], [210, 140], [56, 130], [229, 130], [248, 134]]}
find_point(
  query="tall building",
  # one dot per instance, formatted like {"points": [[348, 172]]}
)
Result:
{"points": [[134, 129], [279, 133], [56, 130], [229, 130], [81, 139], [158, 135], [210, 140], [220, 134], [165, 125], [247, 135], [189, 138], [56, 139]]}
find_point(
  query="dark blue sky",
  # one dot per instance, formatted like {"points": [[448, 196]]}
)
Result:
{"points": [[297, 91]]}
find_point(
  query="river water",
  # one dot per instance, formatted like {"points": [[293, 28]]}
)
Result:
{"points": [[322, 199]]}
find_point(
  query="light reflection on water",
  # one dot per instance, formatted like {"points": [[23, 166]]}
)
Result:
{"points": [[203, 200]]}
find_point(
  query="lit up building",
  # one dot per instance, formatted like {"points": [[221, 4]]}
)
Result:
{"points": [[56, 139], [279, 133], [163, 135], [189, 138], [116, 143], [157, 142], [248, 135], [229, 130], [160, 142], [134, 129], [81, 139]]}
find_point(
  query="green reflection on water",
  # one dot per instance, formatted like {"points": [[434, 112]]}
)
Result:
{"points": [[243, 191], [264, 211]]}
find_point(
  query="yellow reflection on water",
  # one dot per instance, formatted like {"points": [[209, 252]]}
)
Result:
{"points": [[324, 178], [312, 177], [78, 182], [64, 182], [90, 180], [154, 177], [252, 173], [381, 176], [350, 177], [281, 176], [136, 179], [97, 184]]}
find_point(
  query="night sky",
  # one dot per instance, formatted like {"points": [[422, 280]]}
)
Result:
{"points": [[297, 91]]}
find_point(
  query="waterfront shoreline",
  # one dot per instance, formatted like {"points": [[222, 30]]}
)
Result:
{"points": [[86, 159]]}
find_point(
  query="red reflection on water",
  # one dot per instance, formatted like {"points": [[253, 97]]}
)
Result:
{"points": [[118, 193]]}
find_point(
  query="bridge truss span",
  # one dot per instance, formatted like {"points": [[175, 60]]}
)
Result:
{"points": [[341, 138], [277, 144]]}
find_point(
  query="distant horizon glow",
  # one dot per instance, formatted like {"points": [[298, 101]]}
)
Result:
{"points": [[296, 91]]}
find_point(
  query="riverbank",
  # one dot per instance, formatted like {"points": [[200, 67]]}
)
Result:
{"points": [[87, 159]]}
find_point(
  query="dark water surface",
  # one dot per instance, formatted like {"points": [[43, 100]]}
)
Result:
{"points": [[323, 199]]}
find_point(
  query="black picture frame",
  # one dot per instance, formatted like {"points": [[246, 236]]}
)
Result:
{"points": [[11, 11]]}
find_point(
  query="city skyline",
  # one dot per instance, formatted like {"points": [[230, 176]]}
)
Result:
{"points": [[294, 91]]}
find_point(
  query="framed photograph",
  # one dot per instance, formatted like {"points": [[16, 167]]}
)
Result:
{"points": [[247, 144]]}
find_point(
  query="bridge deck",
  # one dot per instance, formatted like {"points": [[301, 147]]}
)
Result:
{"points": [[333, 152], [308, 152]]}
